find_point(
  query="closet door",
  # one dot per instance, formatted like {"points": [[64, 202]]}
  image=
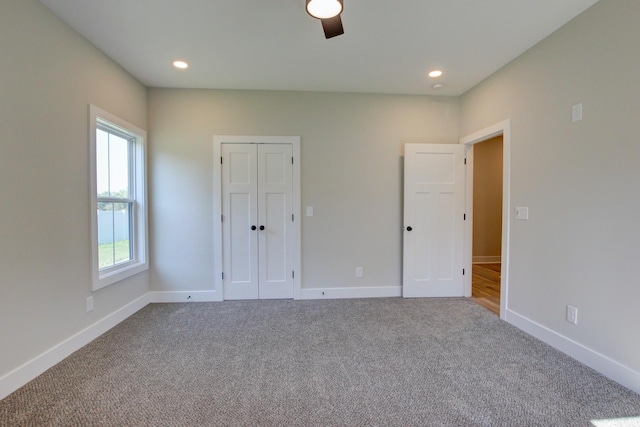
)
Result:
{"points": [[240, 219], [275, 207], [257, 230]]}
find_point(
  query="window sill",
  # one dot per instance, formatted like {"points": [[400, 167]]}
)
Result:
{"points": [[114, 275]]}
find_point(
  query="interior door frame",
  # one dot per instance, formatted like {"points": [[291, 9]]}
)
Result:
{"points": [[218, 140], [501, 128]]}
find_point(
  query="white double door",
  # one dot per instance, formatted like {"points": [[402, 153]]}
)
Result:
{"points": [[434, 215], [257, 223]]}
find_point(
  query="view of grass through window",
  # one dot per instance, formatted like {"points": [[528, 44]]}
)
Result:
{"points": [[110, 254]]}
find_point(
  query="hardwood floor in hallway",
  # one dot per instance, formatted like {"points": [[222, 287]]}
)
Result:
{"points": [[485, 286]]}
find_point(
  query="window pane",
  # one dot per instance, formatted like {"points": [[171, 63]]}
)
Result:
{"points": [[118, 166], [112, 164], [102, 163], [121, 232], [114, 233], [105, 235]]}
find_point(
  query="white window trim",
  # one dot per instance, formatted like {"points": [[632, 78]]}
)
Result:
{"points": [[140, 263]]}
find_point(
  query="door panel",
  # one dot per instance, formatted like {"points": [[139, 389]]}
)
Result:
{"points": [[446, 213], [433, 220], [241, 239], [423, 202]]}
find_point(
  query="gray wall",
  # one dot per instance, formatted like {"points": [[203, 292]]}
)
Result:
{"points": [[48, 76], [352, 148], [581, 245]]}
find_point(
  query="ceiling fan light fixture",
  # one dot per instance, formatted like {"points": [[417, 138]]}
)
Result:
{"points": [[324, 9]]}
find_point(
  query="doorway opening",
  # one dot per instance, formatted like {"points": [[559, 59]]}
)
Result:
{"points": [[481, 253], [487, 223]]}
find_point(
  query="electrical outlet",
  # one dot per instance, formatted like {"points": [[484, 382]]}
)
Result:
{"points": [[89, 304], [572, 315], [358, 272]]}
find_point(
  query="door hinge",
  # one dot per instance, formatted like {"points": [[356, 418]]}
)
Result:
{"points": [[220, 159], [465, 160], [292, 218], [463, 271], [291, 160], [221, 218], [222, 276], [293, 274], [464, 217]]}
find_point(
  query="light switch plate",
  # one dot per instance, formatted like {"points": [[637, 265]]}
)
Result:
{"points": [[309, 210], [522, 213], [576, 113]]}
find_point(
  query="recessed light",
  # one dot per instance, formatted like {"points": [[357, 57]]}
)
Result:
{"points": [[437, 86], [180, 64], [435, 73]]}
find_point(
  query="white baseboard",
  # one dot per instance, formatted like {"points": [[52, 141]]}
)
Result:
{"points": [[601, 363], [342, 293], [183, 296], [486, 259], [20, 376]]}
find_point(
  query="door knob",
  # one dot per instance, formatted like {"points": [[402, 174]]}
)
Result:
{"points": [[409, 228], [253, 227], [262, 227]]}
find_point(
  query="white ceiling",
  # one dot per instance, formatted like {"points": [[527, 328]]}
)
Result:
{"points": [[388, 45]]}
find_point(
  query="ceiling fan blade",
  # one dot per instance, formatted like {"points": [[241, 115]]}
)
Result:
{"points": [[332, 26]]}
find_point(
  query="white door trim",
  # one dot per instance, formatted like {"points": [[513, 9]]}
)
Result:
{"points": [[502, 128], [217, 205]]}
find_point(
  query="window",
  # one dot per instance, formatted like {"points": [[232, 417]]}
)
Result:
{"points": [[118, 204]]}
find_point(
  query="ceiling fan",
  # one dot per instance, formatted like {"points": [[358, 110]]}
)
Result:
{"points": [[328, 12]]}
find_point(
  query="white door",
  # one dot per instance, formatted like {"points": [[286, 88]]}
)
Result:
{"points": [[257, 181], [275, 210], [434, 200]]}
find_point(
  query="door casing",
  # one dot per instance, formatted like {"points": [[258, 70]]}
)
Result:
{"points": [[218, 140], [501, 128]]}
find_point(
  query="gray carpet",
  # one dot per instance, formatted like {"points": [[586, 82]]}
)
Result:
{"points": [[375, 362]]}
